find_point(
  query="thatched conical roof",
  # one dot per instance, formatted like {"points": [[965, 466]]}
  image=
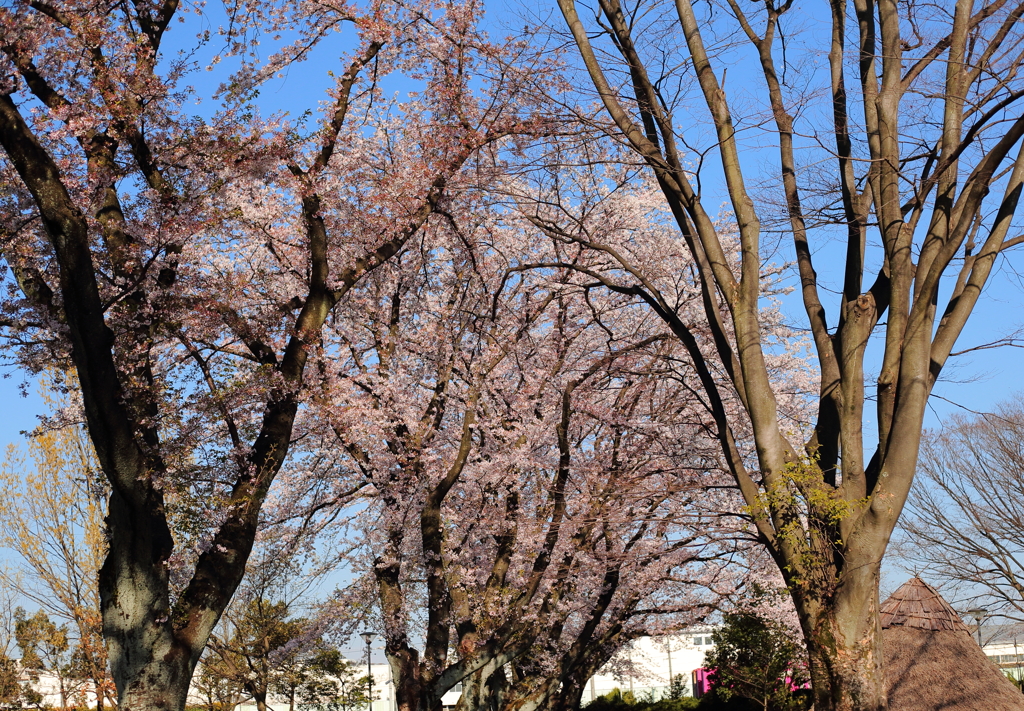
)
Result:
{"points": [[917, 605], [931, 660]]}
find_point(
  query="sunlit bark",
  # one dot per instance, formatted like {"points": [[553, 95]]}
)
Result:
{"points": [[931, 171]]}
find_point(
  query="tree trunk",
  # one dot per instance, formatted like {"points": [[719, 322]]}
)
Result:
{"points": [[570, 696], [849, 674], [844, 645], [405, 670], [158, 684], [151, 669], [484, 690]]}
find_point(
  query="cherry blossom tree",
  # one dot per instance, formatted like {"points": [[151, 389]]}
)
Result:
{"points": [[610, 539], [906, 152], [595, 213], [527, 455], [186, 268]]}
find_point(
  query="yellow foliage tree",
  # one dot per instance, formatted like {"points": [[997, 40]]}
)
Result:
{"points": [[52, 521]]}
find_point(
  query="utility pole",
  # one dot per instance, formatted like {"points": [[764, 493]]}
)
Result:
{"points": [[1016, 662], [631, 671]]}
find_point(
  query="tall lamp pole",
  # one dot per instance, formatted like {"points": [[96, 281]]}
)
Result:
{"points": [[979, 614], [668, 649], [368, 638]]}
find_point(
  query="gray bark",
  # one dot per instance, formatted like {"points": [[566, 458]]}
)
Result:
{"points": [[843, 515]]}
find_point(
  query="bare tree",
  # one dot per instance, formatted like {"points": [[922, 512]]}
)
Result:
{"points": [[915, 173], [965, 519]]}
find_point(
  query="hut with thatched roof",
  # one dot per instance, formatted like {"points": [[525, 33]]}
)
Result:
{"points": [[932, 662]]}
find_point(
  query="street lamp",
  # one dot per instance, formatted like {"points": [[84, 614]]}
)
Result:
{"points": [[630, 652], [979, 614], [668, 649], [368, 638]]}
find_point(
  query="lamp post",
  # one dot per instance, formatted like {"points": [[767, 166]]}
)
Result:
{"points": [[668, 650], [631, 671], [979, 614], [368, 638]]}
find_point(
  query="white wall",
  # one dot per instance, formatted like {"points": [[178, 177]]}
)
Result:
{"points": [[643, 667], [650, 659], [653, 661]]}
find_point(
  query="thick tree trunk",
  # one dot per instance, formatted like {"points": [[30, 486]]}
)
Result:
{"points": [[150, 669], [156, 682], [848, 674], [160, 686], [844, 645], [484, 690], [570, 696], [405, 670]]}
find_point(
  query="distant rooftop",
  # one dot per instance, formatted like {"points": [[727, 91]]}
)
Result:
{"points": [[1005, 633]]}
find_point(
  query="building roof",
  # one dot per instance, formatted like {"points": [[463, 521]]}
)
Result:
{"points": [[917, 605], [932, 661], [1002, 634]]}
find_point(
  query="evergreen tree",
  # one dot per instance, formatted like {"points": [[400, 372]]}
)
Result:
{"points": [[755, 659]]}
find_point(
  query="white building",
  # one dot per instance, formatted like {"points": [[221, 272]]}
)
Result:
{"points": [[1004, 645], [644, 667], [647, 666], [77, 693]]}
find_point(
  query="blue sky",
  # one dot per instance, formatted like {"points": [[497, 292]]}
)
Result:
{"points": [[977, 381]]}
